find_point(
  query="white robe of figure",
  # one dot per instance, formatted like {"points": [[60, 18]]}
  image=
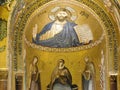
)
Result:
{"points": [[88, 77]]}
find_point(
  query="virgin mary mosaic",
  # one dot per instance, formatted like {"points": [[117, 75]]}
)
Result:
{"points": [[62, 31]]}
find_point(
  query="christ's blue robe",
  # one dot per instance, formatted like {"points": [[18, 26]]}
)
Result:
{"points": [[66, 38]]}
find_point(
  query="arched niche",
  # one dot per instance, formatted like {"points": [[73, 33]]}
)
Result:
{"points": [[102, 51]]}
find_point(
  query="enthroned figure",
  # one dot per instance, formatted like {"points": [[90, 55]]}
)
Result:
{"points": [[61, 78], [88, 76]]}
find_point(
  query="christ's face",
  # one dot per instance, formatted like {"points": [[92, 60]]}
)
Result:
{"points": [[61, 16]]}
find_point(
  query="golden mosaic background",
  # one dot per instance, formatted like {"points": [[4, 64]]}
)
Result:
{"points": [[100, 21], [73, 60]]}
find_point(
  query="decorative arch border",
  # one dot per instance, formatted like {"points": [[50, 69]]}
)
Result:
{"points": [[16, 34], [18, 30]]}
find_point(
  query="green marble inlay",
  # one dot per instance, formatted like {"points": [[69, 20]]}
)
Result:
{"points": [[2, 48], [3, 29]]}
